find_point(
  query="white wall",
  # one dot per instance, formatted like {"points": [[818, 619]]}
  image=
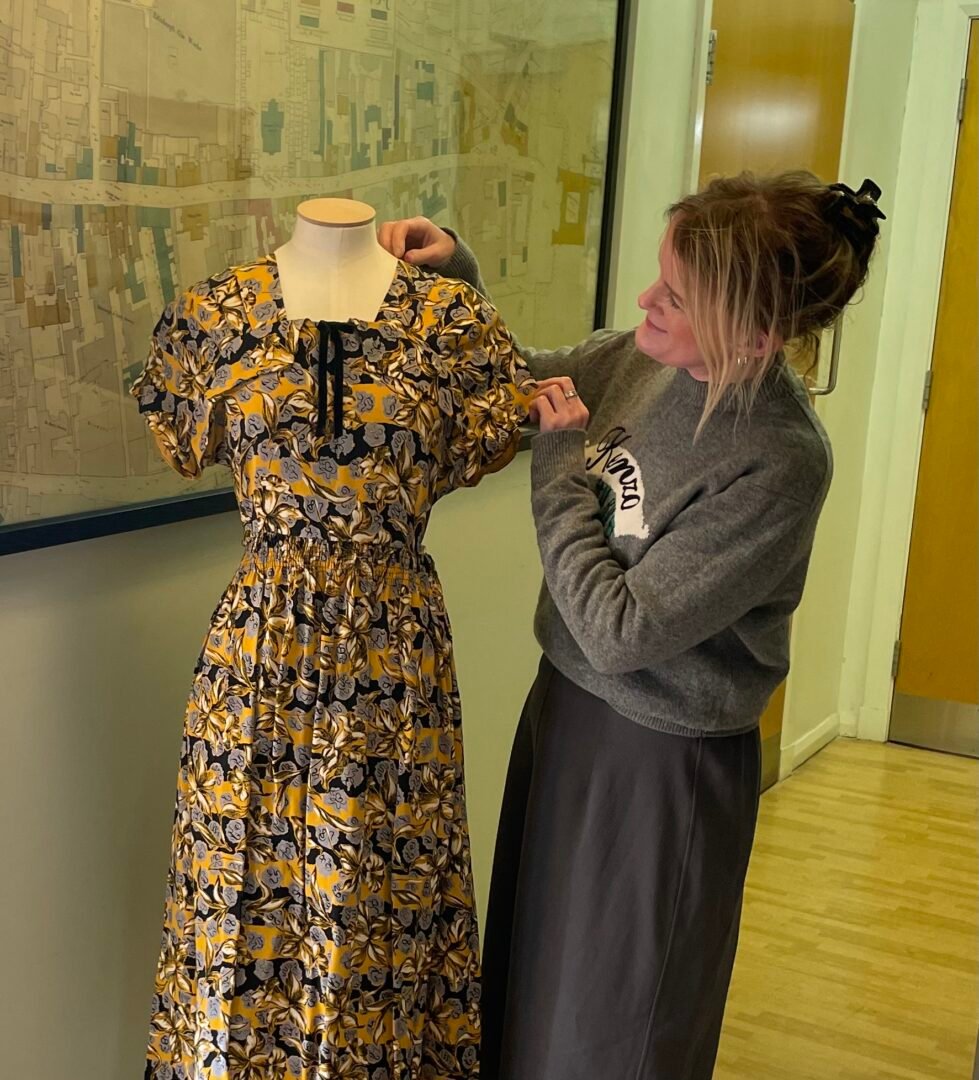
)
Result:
{"points": [[98, 641], [655, 153], [880, 66], [921, 206], [902, 131]]}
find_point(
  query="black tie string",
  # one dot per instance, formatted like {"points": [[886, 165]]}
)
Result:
{"points": [[330, 334]]}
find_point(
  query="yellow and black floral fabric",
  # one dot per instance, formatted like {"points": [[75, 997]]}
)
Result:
{"points": [[319, 918]]}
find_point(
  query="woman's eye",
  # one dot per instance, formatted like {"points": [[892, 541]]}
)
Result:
{"points": [[673, 303]]}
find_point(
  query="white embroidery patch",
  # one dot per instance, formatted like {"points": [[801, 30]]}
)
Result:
{"points": [[621, 491]]}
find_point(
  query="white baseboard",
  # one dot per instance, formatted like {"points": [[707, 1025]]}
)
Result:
{"points": [[874, 723], [811, 743], [849, 724]]}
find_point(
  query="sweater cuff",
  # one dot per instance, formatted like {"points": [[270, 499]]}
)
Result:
{"points": [[557, 453], [462, 263]]}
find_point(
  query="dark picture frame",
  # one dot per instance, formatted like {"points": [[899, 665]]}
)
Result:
{"points": [[53, 531]]}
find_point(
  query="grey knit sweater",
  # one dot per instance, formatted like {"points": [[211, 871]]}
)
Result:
{"points": [[671, 563]]}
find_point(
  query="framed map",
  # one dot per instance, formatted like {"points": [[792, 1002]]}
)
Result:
{"points": [[146, 144]]}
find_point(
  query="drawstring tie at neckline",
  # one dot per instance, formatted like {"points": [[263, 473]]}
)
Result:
{"points": [[330, 334]]}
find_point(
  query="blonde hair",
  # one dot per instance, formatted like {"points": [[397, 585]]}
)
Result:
{"points": [[766, 263]]}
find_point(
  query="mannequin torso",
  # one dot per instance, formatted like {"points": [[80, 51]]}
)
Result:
{"points": [[333, 268]]}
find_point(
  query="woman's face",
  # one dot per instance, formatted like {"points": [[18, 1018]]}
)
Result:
{"points": [[665, 334]]}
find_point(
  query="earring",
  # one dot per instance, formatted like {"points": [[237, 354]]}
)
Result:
{"points": [[742, 361]]}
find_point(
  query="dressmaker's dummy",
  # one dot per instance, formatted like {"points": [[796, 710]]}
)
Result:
{"points": [[343, 419], [333, 269]]}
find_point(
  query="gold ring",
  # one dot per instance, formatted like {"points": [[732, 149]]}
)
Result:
{"points": [[569, 394]]}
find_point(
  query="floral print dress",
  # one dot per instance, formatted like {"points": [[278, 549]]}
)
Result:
{"points": [[319, 918]]}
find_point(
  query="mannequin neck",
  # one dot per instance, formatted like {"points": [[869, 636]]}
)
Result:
{"points": [[324, 242], [333, 270]]}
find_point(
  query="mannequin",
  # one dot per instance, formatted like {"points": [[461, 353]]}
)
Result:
{"points": [[333, 268], [318, 755]]}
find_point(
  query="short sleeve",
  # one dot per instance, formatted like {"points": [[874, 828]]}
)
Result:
{"points": [[487, 391], [174, 391]]}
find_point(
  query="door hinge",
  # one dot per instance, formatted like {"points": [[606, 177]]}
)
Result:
{"points": [[960, 112], [711, 56], [926, 394], [896, 658]]}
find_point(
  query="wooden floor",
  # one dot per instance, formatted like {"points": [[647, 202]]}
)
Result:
{"points": [[859, 953]]}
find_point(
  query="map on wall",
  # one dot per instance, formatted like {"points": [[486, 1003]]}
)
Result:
{"points": [[146, 144]]}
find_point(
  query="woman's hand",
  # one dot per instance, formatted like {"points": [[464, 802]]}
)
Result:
{"points": [[557, 406], [418, 241]]}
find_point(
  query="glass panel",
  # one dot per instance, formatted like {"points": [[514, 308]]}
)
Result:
{"points": [[145, 148]]}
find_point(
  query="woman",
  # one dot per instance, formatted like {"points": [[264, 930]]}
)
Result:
{"points": [[677, 481]]}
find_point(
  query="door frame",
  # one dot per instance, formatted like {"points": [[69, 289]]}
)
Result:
{"points": [[698, 99], [909, 319]]}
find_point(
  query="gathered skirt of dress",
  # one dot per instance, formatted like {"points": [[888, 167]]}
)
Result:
{"points": [[319, 915]]}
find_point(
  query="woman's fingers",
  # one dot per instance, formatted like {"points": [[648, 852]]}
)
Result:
{"points": [[557, 411], [545, 409], [416, 240], [564, 381]]}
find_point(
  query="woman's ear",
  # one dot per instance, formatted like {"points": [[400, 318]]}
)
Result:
{"points": [[767, 345]]}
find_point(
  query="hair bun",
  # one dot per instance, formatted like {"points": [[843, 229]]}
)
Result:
{"points": [[856, 213]]}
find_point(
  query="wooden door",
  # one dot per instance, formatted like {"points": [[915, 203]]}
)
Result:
{"points": [[776, 101], [778, 91], [937, 685]]}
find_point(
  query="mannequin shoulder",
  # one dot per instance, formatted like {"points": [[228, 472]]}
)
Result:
{"points": [[229, 300], [450, 303]]}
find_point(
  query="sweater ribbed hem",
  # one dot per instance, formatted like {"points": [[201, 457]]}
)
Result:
{"points": [[650, 720], [557, 452]]}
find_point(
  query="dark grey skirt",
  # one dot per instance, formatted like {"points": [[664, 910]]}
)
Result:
{"points": [[616, 896]]}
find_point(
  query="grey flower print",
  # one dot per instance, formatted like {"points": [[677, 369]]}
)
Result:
{"points": [[315, 507], [325, 863], [254, 426], [328, 836], [290, 470], [345, 688], [352, 776], [336, 798], [402, 441], [375, 435], [373, 351], [326, 469]]}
